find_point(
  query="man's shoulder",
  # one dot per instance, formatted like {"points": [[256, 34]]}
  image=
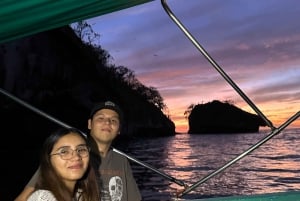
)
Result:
{"points": [[118, 156]]}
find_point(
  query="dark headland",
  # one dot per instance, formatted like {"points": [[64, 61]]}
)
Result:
{"points": [[222, 117]]}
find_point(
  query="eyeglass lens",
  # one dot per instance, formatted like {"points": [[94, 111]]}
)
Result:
{"points": [[67, 153]]}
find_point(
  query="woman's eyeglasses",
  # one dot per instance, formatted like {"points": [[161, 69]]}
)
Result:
{"points": [[67, 153]]}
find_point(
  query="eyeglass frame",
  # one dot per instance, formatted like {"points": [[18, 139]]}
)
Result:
{"points": [[86, 147]]}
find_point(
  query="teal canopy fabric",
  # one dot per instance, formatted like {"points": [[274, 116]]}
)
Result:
{"points": [[19, 18]]}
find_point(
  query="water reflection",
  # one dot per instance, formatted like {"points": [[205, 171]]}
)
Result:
{"points": [[273, 167]]}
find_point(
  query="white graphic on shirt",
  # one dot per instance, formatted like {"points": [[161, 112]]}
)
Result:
{"points": [[116, 188]]}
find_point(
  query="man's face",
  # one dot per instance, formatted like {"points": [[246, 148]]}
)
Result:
{"points": [[104, 126]]}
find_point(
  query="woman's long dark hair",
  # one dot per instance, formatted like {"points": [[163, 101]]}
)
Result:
{"points": [[49, 180], [95, 159]]}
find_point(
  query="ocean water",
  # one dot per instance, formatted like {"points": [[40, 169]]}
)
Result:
{"points": [[272, 167]]}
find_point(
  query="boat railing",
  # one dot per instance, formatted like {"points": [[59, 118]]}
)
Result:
{"points": [[214, 63], [274, 130], [61, 123]]}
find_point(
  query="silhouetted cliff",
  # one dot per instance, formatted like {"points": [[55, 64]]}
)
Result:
{"points": [[218, 117], [59, 74]]}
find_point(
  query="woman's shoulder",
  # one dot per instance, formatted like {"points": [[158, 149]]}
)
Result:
{"points": [[41, 195]]}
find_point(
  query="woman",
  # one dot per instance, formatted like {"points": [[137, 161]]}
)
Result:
{"points": [[65, 170]]}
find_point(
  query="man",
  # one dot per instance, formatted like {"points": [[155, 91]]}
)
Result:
{"points": [[116, 178]]}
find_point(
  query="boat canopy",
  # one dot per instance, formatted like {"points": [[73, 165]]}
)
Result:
{"points": [[20, 18]]}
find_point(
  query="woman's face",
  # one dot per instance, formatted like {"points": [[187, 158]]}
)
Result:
{"points": [[70, 157]]}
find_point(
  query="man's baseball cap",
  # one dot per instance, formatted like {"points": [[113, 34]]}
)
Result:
{"points": [[107, 105]]}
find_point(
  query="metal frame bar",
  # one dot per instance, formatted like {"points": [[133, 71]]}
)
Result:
{"points": [[242, 155], [274, 130], [55, 120], [214, 64]]}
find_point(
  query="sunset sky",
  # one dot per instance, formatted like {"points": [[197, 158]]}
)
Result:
{"points": [[257, 43]]}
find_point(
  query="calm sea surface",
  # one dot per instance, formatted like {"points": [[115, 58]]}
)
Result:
{"points": [[272, 167]]}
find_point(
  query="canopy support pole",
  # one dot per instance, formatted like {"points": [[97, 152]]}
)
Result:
{"points": [[242, 155], [274, 130], [214, 64], [40, 112]]}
